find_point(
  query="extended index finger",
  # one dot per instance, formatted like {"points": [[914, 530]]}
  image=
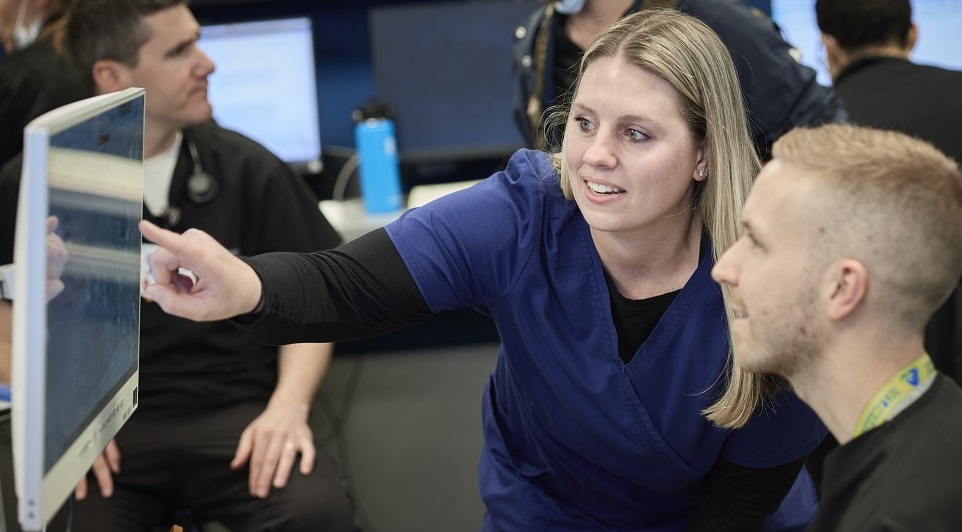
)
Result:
{"points": [[164, 238]]}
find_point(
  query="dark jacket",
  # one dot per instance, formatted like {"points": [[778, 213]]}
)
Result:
{"points": [[786, 96], [891, 93], [33, 81]]}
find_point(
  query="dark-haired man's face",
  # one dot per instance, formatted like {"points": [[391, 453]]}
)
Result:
{"points": [[174, 70]]}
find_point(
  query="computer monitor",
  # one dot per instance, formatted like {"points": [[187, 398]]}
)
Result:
{"points": [[939, 23], [75, 358], [445, 67], [265, 84]]}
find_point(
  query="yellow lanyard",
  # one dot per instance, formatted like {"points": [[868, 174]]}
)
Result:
{"points": [[896, 394]]}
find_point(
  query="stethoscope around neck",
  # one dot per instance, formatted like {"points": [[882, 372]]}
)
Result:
{"points": [[201, 186]]}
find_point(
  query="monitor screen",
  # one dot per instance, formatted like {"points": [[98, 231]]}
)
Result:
{"points": [[446, 70], [264, 84], [939, 42], [75, 357]]}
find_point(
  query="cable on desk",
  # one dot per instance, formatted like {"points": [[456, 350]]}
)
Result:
{"points": [[344, 177]]}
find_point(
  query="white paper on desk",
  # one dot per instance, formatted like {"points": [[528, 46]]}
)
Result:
{"points": [[422, 194]]}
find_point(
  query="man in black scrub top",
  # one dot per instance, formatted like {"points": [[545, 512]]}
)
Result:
{"points": [[221, 432], [852, 239]]}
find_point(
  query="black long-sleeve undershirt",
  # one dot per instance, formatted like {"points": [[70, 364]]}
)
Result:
{"points": [[738, 498], [368, 287]]}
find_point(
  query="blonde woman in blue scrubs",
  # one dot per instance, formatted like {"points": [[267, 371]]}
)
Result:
{"points": [[613, 404]]}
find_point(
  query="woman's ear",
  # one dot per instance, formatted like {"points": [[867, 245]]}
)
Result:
{"points": [[701, 162]]}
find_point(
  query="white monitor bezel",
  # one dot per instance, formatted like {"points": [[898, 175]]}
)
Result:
{"points": [[41, 495]]}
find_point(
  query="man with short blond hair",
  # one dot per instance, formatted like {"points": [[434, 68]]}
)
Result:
{"points": [[852, 238]]}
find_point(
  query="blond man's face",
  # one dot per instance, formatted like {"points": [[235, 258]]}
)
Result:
{"points": [[774, 275]]}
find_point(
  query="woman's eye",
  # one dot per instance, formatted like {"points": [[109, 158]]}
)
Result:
{"points": [[636, 135]]}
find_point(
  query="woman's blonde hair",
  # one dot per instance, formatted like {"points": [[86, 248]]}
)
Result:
{"points": [[687, 54]]}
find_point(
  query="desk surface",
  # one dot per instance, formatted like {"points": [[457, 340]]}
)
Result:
{"points": [[351, 220]]}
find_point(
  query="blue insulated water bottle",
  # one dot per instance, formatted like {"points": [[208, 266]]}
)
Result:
{"points": [[377, 150]]}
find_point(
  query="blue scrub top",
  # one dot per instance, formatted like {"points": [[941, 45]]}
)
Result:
{"points": [[574, 438]]}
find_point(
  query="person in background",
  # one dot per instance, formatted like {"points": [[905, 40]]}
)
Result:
{"points": [[613, 404], [853, 237], [780, 92], [221, 429], [35, 76], [867, 46]]}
